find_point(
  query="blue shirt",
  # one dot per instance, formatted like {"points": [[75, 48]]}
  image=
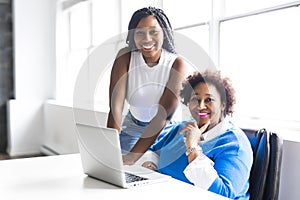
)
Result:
{"points": [[230, 151]]}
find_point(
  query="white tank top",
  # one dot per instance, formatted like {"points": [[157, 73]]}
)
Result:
{"points": [[146, 84]]}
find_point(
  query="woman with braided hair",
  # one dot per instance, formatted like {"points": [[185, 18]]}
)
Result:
{"points": [[148, 74]]}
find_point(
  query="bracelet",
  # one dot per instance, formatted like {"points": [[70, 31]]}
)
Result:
{"points": [[192, 149], [152, 166]]}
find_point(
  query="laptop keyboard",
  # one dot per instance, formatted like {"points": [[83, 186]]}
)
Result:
{"points": [[133, 178]]}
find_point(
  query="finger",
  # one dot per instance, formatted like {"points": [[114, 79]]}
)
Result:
{"points": [[204, 127], [183, 130], [187, 129], [195, 124], [190, 123]]}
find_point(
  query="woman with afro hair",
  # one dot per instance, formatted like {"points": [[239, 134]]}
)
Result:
{"points": [[208, 151]]}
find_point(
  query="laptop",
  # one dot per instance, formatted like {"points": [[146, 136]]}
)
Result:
{"points": [[101, 158]]}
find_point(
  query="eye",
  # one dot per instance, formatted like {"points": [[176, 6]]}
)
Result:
{"points": [[139, 33], [194, 100], [207, 100], [154, 32]]}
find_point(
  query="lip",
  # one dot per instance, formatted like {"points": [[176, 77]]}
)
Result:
{"points": [[202, 115], [148, 47]]}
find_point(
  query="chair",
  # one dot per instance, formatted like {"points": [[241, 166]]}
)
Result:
{"points": [[267, 159]]}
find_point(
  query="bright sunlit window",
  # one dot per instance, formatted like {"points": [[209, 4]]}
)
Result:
{"points": [[86, 25], [260, 54], [256, 43]]}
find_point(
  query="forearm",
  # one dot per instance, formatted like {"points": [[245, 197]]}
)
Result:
{"points": [[148, 137], [114, 120], [117, 89]]}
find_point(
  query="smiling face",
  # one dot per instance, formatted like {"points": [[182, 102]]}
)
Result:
{"points": [[148, 37], [205, 104]]}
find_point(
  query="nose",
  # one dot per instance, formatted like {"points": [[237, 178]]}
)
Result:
{"points": [[147, 37], [201, 105]]}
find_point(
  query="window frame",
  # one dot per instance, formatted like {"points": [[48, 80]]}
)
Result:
{"points": [[214, 23]]}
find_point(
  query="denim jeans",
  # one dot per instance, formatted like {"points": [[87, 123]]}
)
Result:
{"points": [[132, 130]]}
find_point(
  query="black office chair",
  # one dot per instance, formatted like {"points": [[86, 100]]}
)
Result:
{"points": [[265, 172]]}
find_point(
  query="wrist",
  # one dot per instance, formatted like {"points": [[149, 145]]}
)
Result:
{"points": [[150, 165], [131, 158], [191, 149]]}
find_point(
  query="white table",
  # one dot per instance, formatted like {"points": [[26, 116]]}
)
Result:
{"points": [[61, 177]]}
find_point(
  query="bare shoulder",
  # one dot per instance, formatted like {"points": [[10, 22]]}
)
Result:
{"points": [[124, 53], [122, 59], [180, 65]]}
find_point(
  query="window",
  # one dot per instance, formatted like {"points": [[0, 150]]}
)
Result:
{"points": [[73, 46], [81, 29], [260, 54], [187, 12], [236, 7], [254, 42]]}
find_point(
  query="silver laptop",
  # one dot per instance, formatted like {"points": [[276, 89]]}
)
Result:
{"points": [[101, 158]]}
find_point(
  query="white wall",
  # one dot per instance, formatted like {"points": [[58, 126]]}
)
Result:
{"points": [[33, 125], [290, 173], [34, 62]]}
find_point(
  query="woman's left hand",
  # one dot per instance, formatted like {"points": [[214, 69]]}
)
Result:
{"points": [[130, 158], [150, 165], [127, 159], [193, 133]]}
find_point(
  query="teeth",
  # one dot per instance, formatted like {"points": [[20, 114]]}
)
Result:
{"points": [[148, 46]]}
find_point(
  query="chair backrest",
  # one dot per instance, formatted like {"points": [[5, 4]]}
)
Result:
{"points": [[267, 158]]}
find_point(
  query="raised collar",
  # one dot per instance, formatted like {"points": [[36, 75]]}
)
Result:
{"points": [[216, 130]]}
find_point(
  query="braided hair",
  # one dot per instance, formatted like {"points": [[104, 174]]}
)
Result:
{"points": [[163, 21]]}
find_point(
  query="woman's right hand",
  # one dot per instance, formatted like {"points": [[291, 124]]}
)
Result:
{"points": [[193, 133]]}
